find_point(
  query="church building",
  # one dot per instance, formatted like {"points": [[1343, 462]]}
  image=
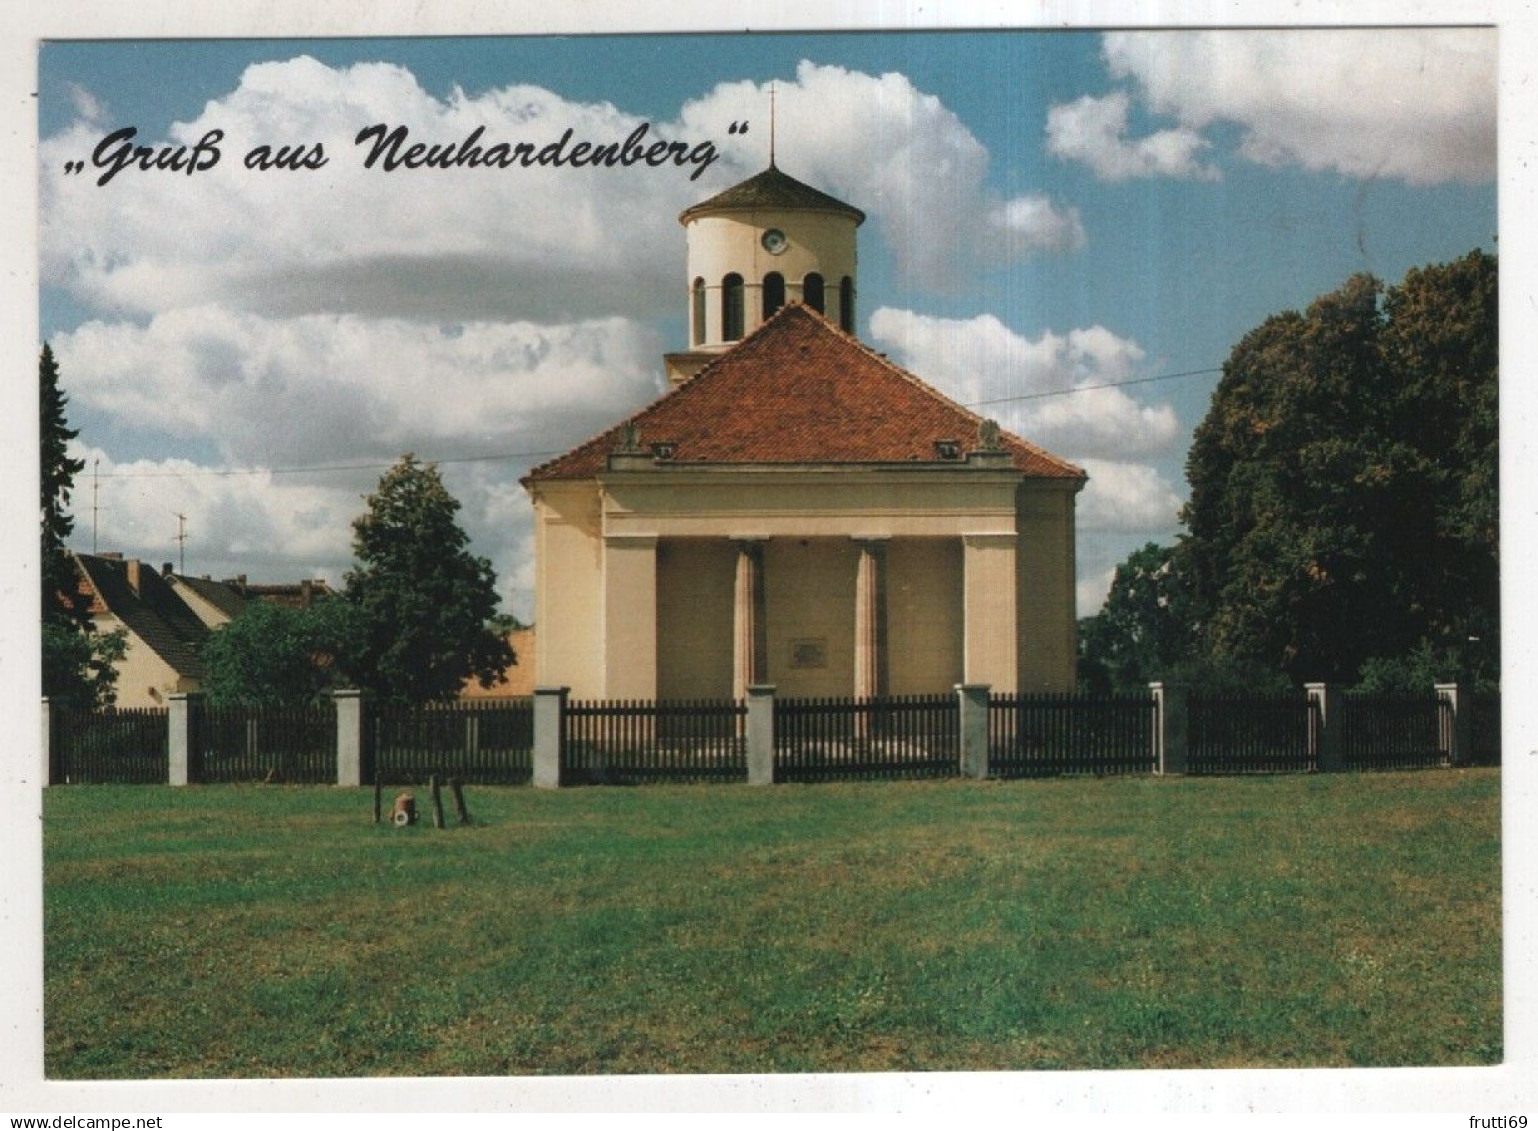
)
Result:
{"points": [[797, 510]]}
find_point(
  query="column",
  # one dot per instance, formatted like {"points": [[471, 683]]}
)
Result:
{"points": [[1172, 715], [870, 668], [349, 736], [1455, 726], [973, 706], [182, 720], [1327, 746], [990, 649], [760, 734], [49, 776], [549, 707], [630, 616], [750, 646]]}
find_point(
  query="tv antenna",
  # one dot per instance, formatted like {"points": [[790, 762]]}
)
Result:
{"points": [[181, 538], [771, 125], [95, 487]]}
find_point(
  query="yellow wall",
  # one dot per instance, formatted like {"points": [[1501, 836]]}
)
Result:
{"points": [[668, 530], [721, 244], [924, 626], [143, 678], [696, 586], [1045, 594], [809, 604]]}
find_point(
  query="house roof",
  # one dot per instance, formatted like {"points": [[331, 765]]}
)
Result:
{"points": [[219, 594], [771, 189], [798, 390], [155, 613]]}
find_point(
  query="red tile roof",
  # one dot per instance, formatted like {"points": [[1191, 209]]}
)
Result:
{"points": [[800, 390]]}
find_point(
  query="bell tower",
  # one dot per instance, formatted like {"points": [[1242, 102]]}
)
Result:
{"points": [[765, 242]]}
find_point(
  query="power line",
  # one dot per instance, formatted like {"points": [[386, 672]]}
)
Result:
{"points": [[314, 469], [1089, 388]]}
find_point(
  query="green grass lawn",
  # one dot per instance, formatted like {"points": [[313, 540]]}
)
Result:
{"points": [[1274, 921]]}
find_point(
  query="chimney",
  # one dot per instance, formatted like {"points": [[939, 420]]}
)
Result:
{"points": [[165, 569], [133, 575], [306, 592]]}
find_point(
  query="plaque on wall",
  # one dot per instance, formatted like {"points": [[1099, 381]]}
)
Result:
{"points": [[810, 652]]}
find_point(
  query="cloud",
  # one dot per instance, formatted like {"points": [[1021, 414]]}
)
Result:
{"points": [[544, 244], [270, 526], [308, 389], [980, 360], [548, 244], [1094, 131], [1417, 104], [1128, 497], [904, 158], [1091, 591]]}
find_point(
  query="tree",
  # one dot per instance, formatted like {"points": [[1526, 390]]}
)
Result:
{"points": [[79, 666], [60, 600], [424, 602], [1143, 631], [275, 656], [1342, 504]]}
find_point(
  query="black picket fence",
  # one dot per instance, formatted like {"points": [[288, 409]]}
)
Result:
{"points": [[1249, 734], [1485, 729], [126, 746], [628, 742], [861, 739], [264, 744], [1040, 735], [480, 743], [1392, 732]]}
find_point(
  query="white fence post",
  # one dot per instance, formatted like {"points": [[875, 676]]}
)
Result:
{"points": [[1172, 726], [48, 752], [1455, 724], [760, 734], [349, 735], [182, 719], [549, 708], [1327, 755], [972, 705]]}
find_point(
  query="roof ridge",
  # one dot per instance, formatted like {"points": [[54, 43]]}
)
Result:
{"points": [[667, 395], [926, 387]]}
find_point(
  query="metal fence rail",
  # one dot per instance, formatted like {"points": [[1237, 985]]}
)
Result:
{"points": [[482, 743], [1251, 734], [1392, 732], [265, 744], [128, 746], [629, 741], [1032, 735], [916, 736]]}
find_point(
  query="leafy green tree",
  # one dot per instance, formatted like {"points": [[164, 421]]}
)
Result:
{"points": [[79, 665], [270, 655], [424, 602], [1144, 629], [1343, 483]]}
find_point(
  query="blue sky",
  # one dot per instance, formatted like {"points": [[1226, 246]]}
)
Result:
{"points": [[1048, 211]]}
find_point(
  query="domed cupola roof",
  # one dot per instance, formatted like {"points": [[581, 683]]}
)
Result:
{"points": [[771, 189]]}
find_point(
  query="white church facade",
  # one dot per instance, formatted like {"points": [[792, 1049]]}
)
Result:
{"points": [[797, 510]]}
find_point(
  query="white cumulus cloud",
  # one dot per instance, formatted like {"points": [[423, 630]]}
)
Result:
{"points": [[903, 157], [305, 390], [981, 360], [1094, 131], [1126, 496], [1417, 104]]}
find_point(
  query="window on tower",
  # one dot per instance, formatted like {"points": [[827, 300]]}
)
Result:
{"points": [[811, 291], [697, 311], [846, 304], [774, 292], [731, 307]]}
